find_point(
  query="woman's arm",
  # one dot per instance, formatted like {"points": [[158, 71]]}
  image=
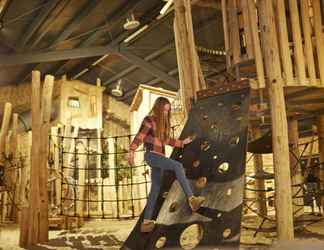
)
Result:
{"points": [[174, 142]]}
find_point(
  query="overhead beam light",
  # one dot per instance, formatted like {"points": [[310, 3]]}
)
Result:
{"points": [[166, 7], [136, 33], [100, 60], [80, 73]]}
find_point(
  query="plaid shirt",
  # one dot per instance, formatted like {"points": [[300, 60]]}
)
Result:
{"points": [[147, 134]]}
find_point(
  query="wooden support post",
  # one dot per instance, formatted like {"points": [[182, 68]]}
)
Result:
{"points": [[37, 221], [233, 24], [256, 44], [99, 166], [4, 131], [226, 33], [46, 107], [25, 190], [320, 133], [34, 202], [190, 73], [298, 44], [56, 157], [82, 165], [307, 30], [296, 174], [259, 183], [284, 42], [247, 29], [14, 172], [270, 48], [318, 26]]}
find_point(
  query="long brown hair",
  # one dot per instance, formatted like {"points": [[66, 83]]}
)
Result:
{"points": [[162, 121]]}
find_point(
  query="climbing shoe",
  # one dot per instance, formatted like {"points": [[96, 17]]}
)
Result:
{"points": [[195, 202]]}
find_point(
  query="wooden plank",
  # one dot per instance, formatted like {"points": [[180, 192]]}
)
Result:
{"points": [[298, 43], [4, 130], [235, 46], [320, 133], [46, 105], [256, 43], [247, 29], [259, 183], [307, 30], [185, 93], [296, 174], [283, 41], [34, 201], [13, 175], [55, 140], [319, 38], [82, 177], [226, 35], [192, 48], [182, 48], [285, 229], [24, 194]]}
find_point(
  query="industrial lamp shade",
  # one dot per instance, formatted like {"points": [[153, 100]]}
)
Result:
{"points": [[131, 23], [118, 91]]}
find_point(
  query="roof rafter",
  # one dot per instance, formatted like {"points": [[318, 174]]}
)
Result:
{"points": [[37, 22], [106, 25], [75, 22]]}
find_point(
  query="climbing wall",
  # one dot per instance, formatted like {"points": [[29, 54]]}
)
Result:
{"points": [[215, 165]]}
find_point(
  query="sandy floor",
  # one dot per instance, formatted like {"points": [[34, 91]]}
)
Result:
{"points": [[108, 235]]}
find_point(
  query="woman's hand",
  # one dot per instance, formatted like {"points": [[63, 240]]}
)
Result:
{"points": [[131, 158], [187, 140]]}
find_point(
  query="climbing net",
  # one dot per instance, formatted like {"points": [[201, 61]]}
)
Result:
{"points": [[304, 192]]}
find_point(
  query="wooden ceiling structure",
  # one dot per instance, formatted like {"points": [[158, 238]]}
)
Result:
{"points": [[85, 40]]}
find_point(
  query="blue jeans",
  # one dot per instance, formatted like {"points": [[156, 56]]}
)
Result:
{"points": [[158, 163]]}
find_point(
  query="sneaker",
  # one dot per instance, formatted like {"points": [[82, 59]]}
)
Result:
{"points": [[195, 202], [147, 226]]}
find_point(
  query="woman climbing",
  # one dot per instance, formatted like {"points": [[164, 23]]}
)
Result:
{"points": [[155, 134]]}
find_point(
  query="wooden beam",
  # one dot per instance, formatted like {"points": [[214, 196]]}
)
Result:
{"points": [[116, 18], [318, 27], [256, 44], [258, 169], [298, 44], [307, 30], [4, 130], [148, 67], [37, 22], [75, 22], [148, 58], [283, 40], [106, 26], [152, 82], [296, 173], [50, 56], [45, 115], [34, 202], [320, 133], [285, 229]]}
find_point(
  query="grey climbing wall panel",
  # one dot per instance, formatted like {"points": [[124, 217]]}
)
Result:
{"points": [[215, 165]]}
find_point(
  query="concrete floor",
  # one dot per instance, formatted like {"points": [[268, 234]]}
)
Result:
{"points": [[109, 235]]}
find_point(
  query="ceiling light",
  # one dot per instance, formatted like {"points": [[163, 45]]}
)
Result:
{"points": [[136, 33], [131, 23], [118, 91]]}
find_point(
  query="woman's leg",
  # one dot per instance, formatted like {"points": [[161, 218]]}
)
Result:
{"points": [[156, 175], [164, 163]]}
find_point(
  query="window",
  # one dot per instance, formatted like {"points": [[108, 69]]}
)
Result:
{"points": [[73, 102]]}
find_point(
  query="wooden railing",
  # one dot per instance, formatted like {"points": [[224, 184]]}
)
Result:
{"points": [[300, 39]]}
